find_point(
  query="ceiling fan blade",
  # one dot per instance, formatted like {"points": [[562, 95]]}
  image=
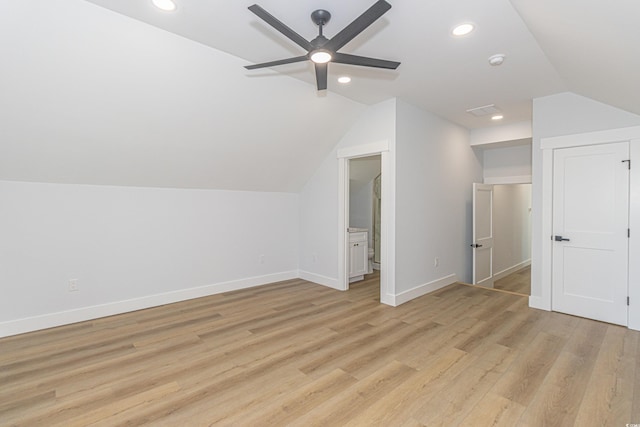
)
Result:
{"points": [[275, 23], [358, 25], [321, 76], [278, 62], [345, 58]]}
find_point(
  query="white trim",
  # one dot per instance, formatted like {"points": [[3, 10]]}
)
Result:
{"points": [[343, 219], [512, 269], [424, 289], [501, 180], [590, 138], [544, 299], [50, 320], [319, 279], [388, 227], [363, 150], [539, 303], [634, 240]]}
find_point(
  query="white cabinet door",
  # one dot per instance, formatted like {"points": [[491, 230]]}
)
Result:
{"points": [[358, 254], [590, 231], [482, 235]]}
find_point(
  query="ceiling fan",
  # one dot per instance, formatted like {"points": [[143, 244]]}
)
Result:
{"points": [[321, 50]]}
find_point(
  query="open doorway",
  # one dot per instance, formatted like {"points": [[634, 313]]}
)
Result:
{"points": [[364, 218], [512, 237], [502, 237], [387, 209]]}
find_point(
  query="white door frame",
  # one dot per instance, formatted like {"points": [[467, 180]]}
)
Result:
{"points": [[547, 145], [387, 220], [487, 241]]}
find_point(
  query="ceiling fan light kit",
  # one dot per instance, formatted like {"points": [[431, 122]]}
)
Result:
{"points": [[322, 51], [320, 56]]}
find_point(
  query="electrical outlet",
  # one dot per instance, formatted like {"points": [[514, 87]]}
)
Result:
{"points": [[261, 259], [73, 285], [436, 262]]}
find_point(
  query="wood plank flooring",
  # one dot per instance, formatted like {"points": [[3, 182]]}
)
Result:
{"points": [[518, 282], [296, 353]]}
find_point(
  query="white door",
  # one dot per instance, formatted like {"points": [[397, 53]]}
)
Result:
{"points": [[590, 231], [482, 235]]}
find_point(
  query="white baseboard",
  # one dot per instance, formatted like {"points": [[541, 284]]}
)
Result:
{"points": [[418, 291], [50, 320], [539, 303], [513, 269], [319, 279]]}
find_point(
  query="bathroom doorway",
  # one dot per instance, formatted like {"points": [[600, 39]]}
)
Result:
{"points": [[387, 210], [364, 224]]}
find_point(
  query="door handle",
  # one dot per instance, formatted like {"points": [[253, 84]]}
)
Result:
{"points": [[560, 239], [475, 245]]}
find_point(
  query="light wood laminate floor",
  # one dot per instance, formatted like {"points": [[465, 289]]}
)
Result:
{"points": [[519, 282], [296, 353]]}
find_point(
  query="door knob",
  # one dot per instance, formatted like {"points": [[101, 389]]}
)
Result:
{"points": [[475, 245], [560, 239]]}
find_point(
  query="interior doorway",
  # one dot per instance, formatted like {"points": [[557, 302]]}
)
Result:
{"points": [[502, 237], [387, 210], [364, 217]]}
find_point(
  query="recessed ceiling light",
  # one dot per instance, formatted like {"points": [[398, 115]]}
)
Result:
{"points": [[166, 5], [344, 79], [462, 29], [497, 117], [496, 60]]}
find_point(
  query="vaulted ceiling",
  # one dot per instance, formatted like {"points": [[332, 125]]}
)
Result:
{"points": [[118, 92]]}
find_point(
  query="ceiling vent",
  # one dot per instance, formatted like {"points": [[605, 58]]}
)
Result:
{"points": [[484, 111]]}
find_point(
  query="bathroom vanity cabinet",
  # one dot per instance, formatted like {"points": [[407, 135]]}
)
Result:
{"points": [[358, 253]]}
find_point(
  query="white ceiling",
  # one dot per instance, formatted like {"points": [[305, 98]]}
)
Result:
{"points": [[89, 95], [551, 46]]}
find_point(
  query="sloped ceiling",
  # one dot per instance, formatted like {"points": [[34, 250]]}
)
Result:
{"points": [[594, 46], [117, 92], [93, 97]]}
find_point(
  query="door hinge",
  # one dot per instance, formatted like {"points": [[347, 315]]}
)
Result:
{"points": [[627, 300], [629, 232], [629, 163]]}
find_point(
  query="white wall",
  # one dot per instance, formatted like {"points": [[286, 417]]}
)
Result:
{"points": [[90, 96], [501, 134], [319, 198], [507, 164], [435, 169], [133, 247], [362, 173], [556, 115], [511, 227], [361, 208]]}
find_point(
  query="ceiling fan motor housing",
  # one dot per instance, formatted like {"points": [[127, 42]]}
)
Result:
{"points": [[320, 17]]}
